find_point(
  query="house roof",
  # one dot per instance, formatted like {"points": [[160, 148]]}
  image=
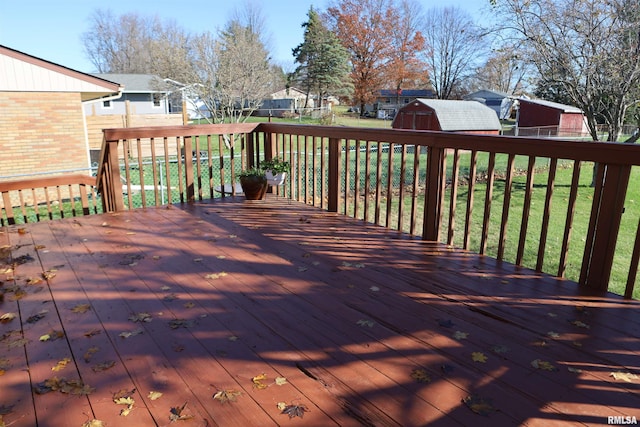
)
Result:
{"points": [[135, 83], [555, 105], [462, 115], [415, 93], [25, 73], [486, 94]]}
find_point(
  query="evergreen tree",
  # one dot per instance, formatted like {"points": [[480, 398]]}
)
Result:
{"points": [[323, 62]]}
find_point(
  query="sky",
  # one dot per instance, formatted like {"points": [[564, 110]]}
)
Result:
{"points": [[52, 29]]}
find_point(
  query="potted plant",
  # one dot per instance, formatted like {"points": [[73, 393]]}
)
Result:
{"points": [[254, 183], [275, 170]]}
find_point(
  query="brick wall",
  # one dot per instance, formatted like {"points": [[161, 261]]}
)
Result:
{"points": [[41, 132]]}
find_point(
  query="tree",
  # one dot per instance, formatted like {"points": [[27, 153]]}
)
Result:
{"points": [[138, 45], [504, 71], [455, 44], [324, 62], [363, 27], [590, 48], [404, 68]]}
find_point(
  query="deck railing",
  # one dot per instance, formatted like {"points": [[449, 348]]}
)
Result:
{"points": [[559, 207], [34, 199]]}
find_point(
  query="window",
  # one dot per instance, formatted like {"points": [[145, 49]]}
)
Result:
{"points": [[106, 104], [156, 98]]}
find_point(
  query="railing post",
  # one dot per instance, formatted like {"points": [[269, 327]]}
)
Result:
{"points": [[112, 186], [334, 175], [188, 169], [270, 149], [434, 193], [606, 215]]}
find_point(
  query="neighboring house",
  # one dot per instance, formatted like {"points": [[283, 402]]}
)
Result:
{"points": [[42, 125], [284, 102], [389, 101], [490, 98], [545, 118], [448, 116], [142, 94]]}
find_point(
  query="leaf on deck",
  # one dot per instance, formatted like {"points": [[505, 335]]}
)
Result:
{"points": [[364, 322], [140, 317], [177, 413], [421, 376], [280, 381], [32, 281], [61, 364], [154, 395], [215, 276], [89, 353], [37, 317], [624, 376], [224, 396], [479, 405], [295, 410], [7, 317], [92, 333], [459, 335], [127, 334], [257, 381], [543, 365], [94, 423], [180, 323], [478, 356], [104, 366], [81, 308]]}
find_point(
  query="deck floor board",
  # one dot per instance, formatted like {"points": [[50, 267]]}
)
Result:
{"points": [[346, 311]]}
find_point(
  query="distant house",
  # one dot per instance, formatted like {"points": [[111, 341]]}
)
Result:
{"points": [[142, 94], [448, 116], [283, 102], [545, 118], [490, 98], [42, 128], [389, 101]]}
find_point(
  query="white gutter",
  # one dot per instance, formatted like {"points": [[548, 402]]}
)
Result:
{"points": [[84, 119]]}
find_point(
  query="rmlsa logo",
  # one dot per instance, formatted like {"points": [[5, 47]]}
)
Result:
{"points": [[622, 420]]}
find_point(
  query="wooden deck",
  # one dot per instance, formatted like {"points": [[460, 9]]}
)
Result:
{"points": [[367, 326]]}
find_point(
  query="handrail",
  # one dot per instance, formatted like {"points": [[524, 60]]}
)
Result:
{"points": [[51, 192], [454, 188]]}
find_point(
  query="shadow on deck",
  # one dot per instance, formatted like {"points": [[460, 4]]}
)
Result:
{"points": [[368, 326]]}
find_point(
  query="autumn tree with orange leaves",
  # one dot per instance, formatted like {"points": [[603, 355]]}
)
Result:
{"points": [[382, 46]]}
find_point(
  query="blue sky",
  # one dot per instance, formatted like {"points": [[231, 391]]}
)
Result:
{"points": [[52, 29]]}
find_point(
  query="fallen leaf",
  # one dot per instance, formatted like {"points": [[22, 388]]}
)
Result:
{"points": [[478, 356], [92, 333], [479, 405], [140, 317], [189, 305], [302, 269], [574, 370], [61, 364], [176, 413], [552, 334], [363, 322], [94, 423], [580, 324], [421, 376], [48, 275], [215, 276], [281, 405], [295, 410], [170, 297], [227, 395], [459, 335], [34, 281], [500, 349], [103, 366], [7, 317], [89, 353], [624, 376], [37, 317], [257, 381], [180, 323], [81, 308], [542, 364], [374, 289], [132, 333], [280, 381], [154, 395], [128, 400], [165, 288]]}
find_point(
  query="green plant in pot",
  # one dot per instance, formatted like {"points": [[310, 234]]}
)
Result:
{"points": [[275, 170], [254, 183]]}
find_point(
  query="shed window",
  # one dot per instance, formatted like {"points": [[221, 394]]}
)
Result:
{"points": [[106, 104]]}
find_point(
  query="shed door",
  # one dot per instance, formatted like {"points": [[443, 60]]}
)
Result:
{"points": [[422, 120]]}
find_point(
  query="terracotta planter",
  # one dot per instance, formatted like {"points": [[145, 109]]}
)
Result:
{"points": [[254, 187]]}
